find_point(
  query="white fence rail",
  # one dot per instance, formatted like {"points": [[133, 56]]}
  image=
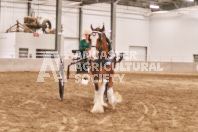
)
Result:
{"points": [[127, 57]]}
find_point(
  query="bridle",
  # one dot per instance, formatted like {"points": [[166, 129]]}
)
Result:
{"points": [[98, 48], [100, 39]]}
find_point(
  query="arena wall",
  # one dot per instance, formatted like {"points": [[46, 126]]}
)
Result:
{"points": [[11, 65], [12, 42]]}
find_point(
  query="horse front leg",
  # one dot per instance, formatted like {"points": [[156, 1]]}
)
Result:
{"points": [[96, 89], [103, 88], [98, 107]]}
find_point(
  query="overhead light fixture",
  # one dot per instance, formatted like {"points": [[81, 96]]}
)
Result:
{"points": [[191, 0], [154, 6]]}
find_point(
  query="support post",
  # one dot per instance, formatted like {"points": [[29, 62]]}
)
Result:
{"points": [[1, 19], [58, 26], [80, 24], [113, 23], [0, 16], [29, 7]]}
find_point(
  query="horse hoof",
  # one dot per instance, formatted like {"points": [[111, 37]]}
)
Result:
{"points": [[113, 106], [97, 111], [105, 104]]}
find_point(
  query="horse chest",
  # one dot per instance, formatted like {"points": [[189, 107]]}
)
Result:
{"points": [[94, 53]]}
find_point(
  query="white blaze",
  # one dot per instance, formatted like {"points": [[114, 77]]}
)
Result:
{"points": [[94, 53], [94, 39], [93, 49]]}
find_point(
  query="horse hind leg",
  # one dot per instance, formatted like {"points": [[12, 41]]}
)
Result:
{"points": [[113, 97]]}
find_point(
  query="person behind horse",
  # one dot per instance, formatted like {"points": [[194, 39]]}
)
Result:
{"points": [[84, 43]]}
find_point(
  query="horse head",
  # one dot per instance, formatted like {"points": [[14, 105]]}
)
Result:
{"points": [[99, 47]]}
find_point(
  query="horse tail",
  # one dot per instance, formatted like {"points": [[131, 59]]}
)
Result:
{"points": [[118, 97]]}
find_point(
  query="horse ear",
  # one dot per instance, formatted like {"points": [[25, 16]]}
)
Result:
{"points": [[92, 27], [103, 28]]}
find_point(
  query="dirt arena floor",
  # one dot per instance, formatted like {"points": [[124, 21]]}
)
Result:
{"points": [[151, 103]]}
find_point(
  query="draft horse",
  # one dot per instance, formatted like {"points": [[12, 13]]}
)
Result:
{"points": [[102, 70]]}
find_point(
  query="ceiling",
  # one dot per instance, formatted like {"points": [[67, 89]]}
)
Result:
{"points": [[164, 4]]}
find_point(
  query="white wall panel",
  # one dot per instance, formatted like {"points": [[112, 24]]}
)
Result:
{"points": [[132, 28], [7, 45], [97, 15], [131, 32], [26, 40], [70, 21], [174, 36], [11, 42], [140, 53]]}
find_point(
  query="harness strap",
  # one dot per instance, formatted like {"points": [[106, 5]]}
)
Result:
{"points": [[97, 32], [96, 47], [103, 62]]}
